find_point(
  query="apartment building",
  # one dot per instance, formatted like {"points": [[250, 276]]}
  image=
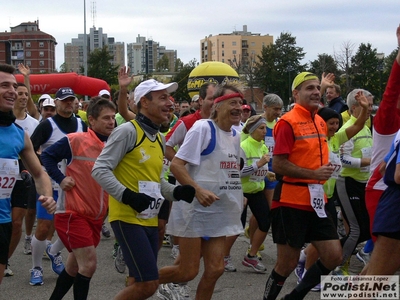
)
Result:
{"points": [[26, 44], [144, 54], [238, 47], [95, 39]]}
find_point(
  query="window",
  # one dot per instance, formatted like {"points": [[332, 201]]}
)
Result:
{"points": [[222, 44], [28, 53], [223, 53], [41, 53], [28, 44], [41, 63], [41, 44], [233, 43], [223, 60], [253, 44], [233, 51], [28, 63]]}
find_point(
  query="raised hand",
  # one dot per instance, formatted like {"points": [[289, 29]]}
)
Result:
{"points": [[123, 77], [24, 70], [361, 99]]}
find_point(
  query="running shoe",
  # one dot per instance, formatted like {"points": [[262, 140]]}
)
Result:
{"points": [[316, 288], [363, 256], [229, 267], [299, 271], [36, 276], [175, 251], [342, 270], [27, 246], [168, 291], [115, 249], [105, 231], [258, 254], [56, 261], [8, 272], [184, 291], [254, 262], [119, 261], [167, 240]]}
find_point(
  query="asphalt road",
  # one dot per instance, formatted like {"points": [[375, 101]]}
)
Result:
{"points": [[106, 282]]}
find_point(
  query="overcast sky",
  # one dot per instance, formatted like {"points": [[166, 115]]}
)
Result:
{"points": [[319, 26]]}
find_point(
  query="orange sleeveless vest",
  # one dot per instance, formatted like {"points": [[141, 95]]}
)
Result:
{"points": [[87, 197], [310, 151]]}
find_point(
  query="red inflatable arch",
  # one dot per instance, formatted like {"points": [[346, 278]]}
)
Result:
{"points": [[50, 83]]}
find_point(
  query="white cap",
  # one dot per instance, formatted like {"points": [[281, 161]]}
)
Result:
{"points": [[43, 97], [195, 98], [104, 92], [152, 85], [48, 102]]}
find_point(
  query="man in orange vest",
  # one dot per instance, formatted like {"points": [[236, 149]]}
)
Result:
{"points": [[82, 205], [301, 157]]}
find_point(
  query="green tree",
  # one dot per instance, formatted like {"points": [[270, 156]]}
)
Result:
{"points": [[324, 63], [100, 66], [365, 64], [182, 79], [178, 65], [163, 64], [278, 64], [63, 68]]}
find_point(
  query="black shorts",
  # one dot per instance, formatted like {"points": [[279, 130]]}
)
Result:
{"points": [[5, 238], [163, 214], [296, 227], [22, 196], [260, 209]]}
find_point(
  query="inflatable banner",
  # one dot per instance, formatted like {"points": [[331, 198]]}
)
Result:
{"points": [[50, 83]]}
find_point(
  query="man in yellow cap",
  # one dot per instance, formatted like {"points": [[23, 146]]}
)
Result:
{"points": [[298, 215]]}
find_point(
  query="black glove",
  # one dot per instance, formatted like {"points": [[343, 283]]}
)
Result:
{"points": [[26, 179], [184, 192], [138, 201]]}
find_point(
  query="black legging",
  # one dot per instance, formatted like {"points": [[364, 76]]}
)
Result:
{"points": [[352, 202], [260, 209]]}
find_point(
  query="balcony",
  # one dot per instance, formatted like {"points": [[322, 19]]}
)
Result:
{"points": [[245, 45]]}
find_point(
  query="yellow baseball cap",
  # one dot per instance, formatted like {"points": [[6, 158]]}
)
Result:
{"points": [[303, 76]]}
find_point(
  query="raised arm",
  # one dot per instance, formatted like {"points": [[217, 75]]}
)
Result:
{"points": [[362, 118], [326, 81], [32, 109], [124, 80]]}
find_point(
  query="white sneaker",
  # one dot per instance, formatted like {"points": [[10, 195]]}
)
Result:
{"points": [[175, 251], [27, 245], [229, 267]]}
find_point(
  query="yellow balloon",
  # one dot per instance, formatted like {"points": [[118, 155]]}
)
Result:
{"points": [[211, 71]]}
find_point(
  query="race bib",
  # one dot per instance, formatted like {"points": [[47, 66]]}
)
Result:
{"points": [[270, 143], [153, 190], [317, 199], [334, 160], [366, 153], [260, 174], [9, 171]]}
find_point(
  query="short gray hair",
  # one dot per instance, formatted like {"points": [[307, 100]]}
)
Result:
{"points": [[351, 98], [272, 100]]}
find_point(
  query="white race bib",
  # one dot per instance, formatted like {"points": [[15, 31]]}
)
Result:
{"points": [[153, 190], [260, 174], [9, 171], [317, 199], [335, 161]]}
